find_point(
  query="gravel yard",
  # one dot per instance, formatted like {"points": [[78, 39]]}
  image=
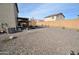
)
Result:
{"points": [[44, 41]]}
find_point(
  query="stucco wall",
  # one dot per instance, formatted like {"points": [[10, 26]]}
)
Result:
{"points": [[60, 23], [8, 14]]}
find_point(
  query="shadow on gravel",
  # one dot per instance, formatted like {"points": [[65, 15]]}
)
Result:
{"points": [[35, 27], [7, 40], [73, 53]]}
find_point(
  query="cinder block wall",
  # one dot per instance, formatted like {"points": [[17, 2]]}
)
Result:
{"points": [[60, 23]]}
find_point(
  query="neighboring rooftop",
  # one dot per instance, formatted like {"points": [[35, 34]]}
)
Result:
{"points": [[55, 15], [22, 18]]}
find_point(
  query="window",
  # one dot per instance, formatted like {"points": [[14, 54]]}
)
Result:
{"points": [[52, 17]]}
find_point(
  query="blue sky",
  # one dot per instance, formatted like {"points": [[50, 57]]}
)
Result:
{"points": [[40, 10]]}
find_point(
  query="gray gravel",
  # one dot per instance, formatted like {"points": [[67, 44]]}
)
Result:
{"points": [[44, 41]]}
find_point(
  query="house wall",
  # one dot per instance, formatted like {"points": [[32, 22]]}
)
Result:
{"points": [[53, 18], [50, 18], [59, 17], [8, 14]]}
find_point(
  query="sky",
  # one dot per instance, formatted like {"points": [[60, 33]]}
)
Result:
{"points": [[41, 10]]}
